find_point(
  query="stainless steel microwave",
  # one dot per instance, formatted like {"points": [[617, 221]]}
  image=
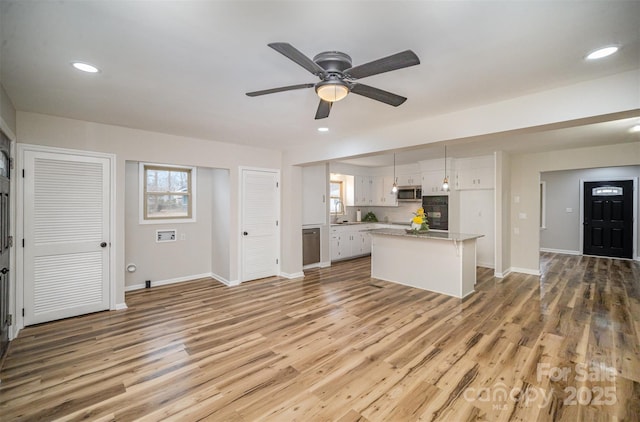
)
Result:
{"points": [[410, 193]]}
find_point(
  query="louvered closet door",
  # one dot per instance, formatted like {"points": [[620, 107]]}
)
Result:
{"points": [[66, 251]]}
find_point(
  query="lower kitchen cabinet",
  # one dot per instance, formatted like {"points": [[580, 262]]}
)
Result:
{"points": [[350, 241]]}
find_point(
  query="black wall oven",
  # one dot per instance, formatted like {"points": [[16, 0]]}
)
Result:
{"points": [[437, 210]]}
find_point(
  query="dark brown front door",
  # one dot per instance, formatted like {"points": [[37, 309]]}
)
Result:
{"points": [[608, 218]]}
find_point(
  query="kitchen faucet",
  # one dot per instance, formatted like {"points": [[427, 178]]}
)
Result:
{"points": [[339, 208]]}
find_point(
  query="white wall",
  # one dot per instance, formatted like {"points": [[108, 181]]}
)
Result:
{"points": [[525, 181], [560, 107], [137, 145], [186, 258], [7, 114], [503, 213], [563, 227], [220, 225]]}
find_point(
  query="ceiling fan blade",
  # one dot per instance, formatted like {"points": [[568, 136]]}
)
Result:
{"points": [[386, 64], [274, 90], [323, 109], [378, 94], [296, 55]]}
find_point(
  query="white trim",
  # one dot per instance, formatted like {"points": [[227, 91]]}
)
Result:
{"points": [[13, 328], [19, 221], [524, 271], [121, 306], [543, 204], [485, 265], [634, 179], [324, 264], [562, 251], [170, 281], [502, 274], [221, 279], [292, 276], [241, 169], [192, 196]]}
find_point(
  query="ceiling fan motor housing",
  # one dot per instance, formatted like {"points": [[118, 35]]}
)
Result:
{"points": [[333, 61]]}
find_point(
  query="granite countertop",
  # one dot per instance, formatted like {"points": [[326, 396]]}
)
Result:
{"points": [[458, 237]]}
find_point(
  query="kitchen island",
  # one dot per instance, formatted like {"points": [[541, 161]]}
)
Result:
{"points": [[436, 261]]}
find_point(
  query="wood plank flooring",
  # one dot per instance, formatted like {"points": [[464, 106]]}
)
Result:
{"points": [[340, 346]]}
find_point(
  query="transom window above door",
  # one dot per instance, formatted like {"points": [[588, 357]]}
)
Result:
{"points": [[167, 193]]}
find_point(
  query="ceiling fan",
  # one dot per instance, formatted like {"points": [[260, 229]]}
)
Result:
{"points": [[338, 77]]}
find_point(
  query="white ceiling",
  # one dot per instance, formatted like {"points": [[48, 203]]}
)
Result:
{"points": [[183, 67]]}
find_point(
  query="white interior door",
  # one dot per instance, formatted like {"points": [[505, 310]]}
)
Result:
{"points": [[66, 235], [260, 224]]}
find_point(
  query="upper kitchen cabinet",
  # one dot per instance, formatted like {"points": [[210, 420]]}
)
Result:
{"points": [[374, 191], [314, 194], [381, 191], [474, 173], [363, 190], [433, 174], [409, 175], [413, 179]]}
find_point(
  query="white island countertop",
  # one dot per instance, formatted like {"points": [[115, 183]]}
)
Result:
{"points": [[458, 237]]}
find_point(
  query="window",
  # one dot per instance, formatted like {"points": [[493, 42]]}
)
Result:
{"points": [[336, 197], [167, 193], [607, 191]]}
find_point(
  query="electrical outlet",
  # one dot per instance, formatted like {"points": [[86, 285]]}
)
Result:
{"points": [[183, 236], [516, 230]]}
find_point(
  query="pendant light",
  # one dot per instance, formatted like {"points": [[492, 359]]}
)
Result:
{"points": [[445, 181], [394, 188]]}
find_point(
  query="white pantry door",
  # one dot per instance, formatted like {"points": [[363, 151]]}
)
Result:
{"points": [[260, 224], [66, 235]]}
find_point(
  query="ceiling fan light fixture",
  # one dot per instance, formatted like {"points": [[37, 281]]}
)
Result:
{"points": [[332, 91]]}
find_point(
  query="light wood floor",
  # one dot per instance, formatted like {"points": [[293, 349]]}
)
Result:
{"points": [[340, 346]]}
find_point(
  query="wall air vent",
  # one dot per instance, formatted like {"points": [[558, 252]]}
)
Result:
{"points": [[165, 235]]}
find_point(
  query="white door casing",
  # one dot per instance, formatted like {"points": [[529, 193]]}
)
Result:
{"points": [[259, 224], [66, 231]]}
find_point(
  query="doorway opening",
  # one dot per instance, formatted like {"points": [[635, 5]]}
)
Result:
{"points": [[591, 212]]}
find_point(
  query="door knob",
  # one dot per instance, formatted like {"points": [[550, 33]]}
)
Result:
{"points": [[245, 233], [4, 270], [103, 245]]}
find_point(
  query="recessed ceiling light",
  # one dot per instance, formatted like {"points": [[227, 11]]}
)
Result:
{"points": [[85, 67], [323, 129], [602, 52], [636, 128]]}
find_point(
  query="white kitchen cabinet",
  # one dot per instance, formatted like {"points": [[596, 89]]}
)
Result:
{"points": [[432, 183], [350, 241], [413, 179], [362, 190], [339, 247], [375, 191], [474, 173], [314, 194]]}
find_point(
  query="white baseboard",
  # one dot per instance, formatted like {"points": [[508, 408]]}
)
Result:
{"points": [[121, 306], [169, 281], [221, 279], [485, 264], [562, 251], [325, 264], [524, 271], [292, 276], [502, 274]]}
